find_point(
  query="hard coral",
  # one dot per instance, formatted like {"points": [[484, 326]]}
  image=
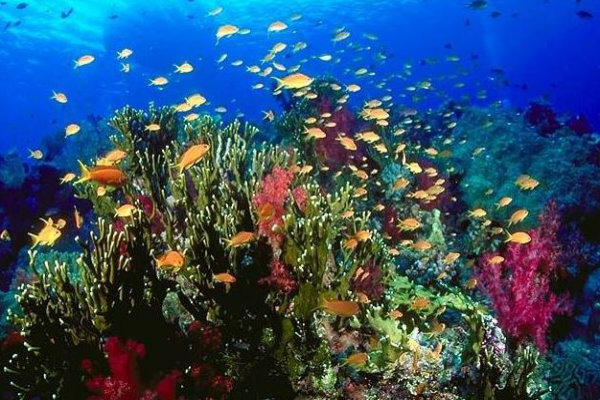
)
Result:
{"points": [[520, 288]]}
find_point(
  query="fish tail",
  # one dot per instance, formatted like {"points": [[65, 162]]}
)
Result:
{"points": [[280, 83], [35, 238], [76, 64], [85, 173], [508, 236]]}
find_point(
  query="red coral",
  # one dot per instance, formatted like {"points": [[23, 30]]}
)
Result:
{"points": [[280, 278], [274, 192], [207, 380], [520, 287], [205, 338], [124, 382], [367, 280]]}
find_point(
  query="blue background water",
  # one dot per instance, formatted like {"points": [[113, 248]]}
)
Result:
{"points": [[541, 44]]}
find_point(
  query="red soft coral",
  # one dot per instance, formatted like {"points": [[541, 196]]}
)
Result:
{"points": [[273, 192], [368, 280], [124, 382], [520, 287], [280, 278]]}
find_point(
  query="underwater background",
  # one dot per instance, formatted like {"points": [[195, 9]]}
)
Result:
{"points": [[392, 199]]}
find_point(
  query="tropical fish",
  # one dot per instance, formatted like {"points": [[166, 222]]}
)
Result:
{"points": [[192, 155], [226, 31], [293, 81], [125, 211], [105, 175], [518, 216], [84, 60], [347, 142], [357, 359], [478, 213], [503, 202], [277, 26], [5, 236], [316, 133], [171, 259], [47, 236], [123, 54], [215, 11], [72, 129], [78, 218], [518, 237], [59, 97], [152, 127], [36, 154], [451, 257], [224, 277], [159, 81], [68, 177], [341, 308], [409, 224], [240, 239], [184, 68], [496, 260]]}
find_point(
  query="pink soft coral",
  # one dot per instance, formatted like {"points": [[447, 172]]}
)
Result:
{"points": [[520, 287], [273, 192]]}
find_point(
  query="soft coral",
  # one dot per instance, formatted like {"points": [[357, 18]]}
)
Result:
{"points": [[520, 288]]}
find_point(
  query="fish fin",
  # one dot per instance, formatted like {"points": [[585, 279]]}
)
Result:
{"points": [[85, 173], [35, 238], [508, 236], [76, 64]]}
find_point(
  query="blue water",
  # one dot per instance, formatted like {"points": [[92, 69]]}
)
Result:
{"points": [[542, 46]]}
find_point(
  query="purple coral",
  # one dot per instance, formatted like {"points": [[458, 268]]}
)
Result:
{"points": [[543, 118]]}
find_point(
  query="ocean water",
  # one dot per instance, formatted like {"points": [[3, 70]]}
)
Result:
{"points": [[385, 199], [543, 48]]}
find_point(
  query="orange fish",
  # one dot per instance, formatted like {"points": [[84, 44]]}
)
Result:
{"points": [[105, 175], [420, 303], [224, 277], [191, 156], [171, 259], [266, 211], [78, 219], [240, 239], [357, 359], [342, 308]]}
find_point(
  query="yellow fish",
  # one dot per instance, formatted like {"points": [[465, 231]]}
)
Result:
{"points": [[47, 236], [36, 154], [518, 216], [125, 211], [72, 129], [226, 31], [159, 81], [123, 54], [277, 26], [294, 81], [518, 237], [184, 68], [59, 97], [171, 259]]}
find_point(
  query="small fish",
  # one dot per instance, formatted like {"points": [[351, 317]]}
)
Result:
{"points": [[277, 26], [316, 133], [422, 245], [60, 224], [159, 81], [105, 175], [47, 236], [84, 60], [503, 202], [184, 68], [343, 35], [496, 260], [78, 218], [215, 11], [478, 213], [518, 237], [125, 67], [347, 143], [191, 156], [357, 359], [5, 236], [152, 127], [240, 239], [518, 216], [266, 211], [451, 258], [409, 224], [59, 97], [36, 154], [68, 177], [341, 308], [225, 31], [191, 117], [420, 303], [195, 100], [123, 54], [171, 259], [125, 211], [294, 81], [72, 129], [471, 284], [224, 278]]}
